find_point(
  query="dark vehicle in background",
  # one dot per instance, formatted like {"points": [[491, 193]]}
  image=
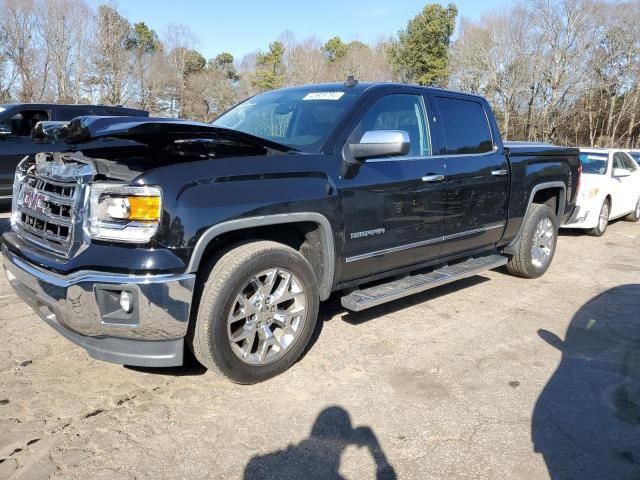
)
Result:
{"points": [[225, 237], [18, 119]]}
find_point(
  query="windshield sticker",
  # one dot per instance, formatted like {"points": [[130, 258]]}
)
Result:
{"points": [[323, 96], [596, 157]]}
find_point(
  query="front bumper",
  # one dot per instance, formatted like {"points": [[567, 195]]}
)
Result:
{"points": [[74, 305]]}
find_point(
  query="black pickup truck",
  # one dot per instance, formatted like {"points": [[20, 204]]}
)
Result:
{"points": [[17, 121], [225, 237]]}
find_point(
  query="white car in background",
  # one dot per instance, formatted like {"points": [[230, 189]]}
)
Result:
{"points": [[609, 189]]}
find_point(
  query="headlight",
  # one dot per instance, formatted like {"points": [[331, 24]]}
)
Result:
{"points": [[123, 213], [590, 193]]}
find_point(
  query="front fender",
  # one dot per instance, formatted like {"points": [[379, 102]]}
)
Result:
{"points": [[327, 236]]}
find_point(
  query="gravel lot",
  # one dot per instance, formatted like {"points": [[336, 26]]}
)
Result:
{"points": [[492, 377]]}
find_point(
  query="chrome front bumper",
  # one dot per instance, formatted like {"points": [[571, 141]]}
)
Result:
{"points": [[71, 304]]}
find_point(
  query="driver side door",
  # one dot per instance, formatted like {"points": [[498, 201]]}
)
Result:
{"points": [[392, 206]]}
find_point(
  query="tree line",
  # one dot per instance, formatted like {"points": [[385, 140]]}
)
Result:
{"points": [[565, 71]]}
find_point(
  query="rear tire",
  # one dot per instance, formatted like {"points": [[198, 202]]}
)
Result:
{"points": [[258, 309], [635, 215], [537, 243], [603, 220]]}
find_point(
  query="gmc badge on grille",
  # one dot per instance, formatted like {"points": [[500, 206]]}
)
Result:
{"points": [[34, 201]]}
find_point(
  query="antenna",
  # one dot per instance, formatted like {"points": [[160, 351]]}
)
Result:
{"points": [[351, 82]]}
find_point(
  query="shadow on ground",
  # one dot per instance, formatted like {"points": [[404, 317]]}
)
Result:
{"points": [[586, 422], [319, 456], [190, 368]]}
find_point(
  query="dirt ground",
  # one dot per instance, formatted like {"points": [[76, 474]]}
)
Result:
{"points": [[492, 377]]}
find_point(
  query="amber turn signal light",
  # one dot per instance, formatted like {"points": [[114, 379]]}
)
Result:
{"points": [[144, 209]]}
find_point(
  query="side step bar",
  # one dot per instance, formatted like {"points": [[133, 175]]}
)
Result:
{"points": [[370, 297]]}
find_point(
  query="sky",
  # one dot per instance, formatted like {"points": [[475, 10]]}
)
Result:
{"points": [[244, 26]]}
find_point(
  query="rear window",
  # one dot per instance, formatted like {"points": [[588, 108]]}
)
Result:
{"points": [[595, 163], [466, 128]]}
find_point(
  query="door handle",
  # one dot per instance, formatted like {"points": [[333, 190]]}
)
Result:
{"points": [[433, 178], [500, 173]]}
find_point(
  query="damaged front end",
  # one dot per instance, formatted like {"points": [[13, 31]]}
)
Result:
{"points": [[50, 193], [63, 200], [58, 205], [66, 208]]}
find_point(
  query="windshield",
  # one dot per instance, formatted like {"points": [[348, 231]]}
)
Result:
{"points": [[298, 118], [594, 163], [635, 156]]}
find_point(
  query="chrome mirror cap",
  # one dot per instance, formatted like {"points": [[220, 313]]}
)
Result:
{"points": [[381, 143]]}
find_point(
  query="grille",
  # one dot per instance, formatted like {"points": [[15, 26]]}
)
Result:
{"points": [[45, 212]]}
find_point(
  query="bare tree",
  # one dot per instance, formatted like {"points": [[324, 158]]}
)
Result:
{"points": [[179, 41], [559, 70], [112, 57], [63, 26], [20, 44], [305, 63]]}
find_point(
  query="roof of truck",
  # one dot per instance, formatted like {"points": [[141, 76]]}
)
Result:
{"points": [[362, 86]]}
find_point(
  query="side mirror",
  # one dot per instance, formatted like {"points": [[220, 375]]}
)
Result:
{"points": [[621, 172], [381, 143]]}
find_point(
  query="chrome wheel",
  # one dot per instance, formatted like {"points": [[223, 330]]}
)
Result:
{"points": [[543, 241], [267, 316], [603, 220]]}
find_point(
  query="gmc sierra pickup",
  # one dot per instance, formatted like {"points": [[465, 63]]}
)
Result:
{"points": [[225, 237]]}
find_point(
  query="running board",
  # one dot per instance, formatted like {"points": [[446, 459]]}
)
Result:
{"points": [[370, 297]]}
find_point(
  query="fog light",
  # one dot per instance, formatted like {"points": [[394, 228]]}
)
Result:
{"points": [[126, 301]]}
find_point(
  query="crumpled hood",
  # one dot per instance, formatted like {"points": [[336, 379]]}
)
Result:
{"points": [[121, 148], [150, 131]]}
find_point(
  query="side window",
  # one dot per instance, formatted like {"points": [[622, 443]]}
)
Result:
{"points": [[22, 122], [400, 112], [618, 161], [465, 124], [629, 163]]}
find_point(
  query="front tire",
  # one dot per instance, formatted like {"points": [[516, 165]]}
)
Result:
{"points": [[537, 243], [258, 309], [603, 220]]}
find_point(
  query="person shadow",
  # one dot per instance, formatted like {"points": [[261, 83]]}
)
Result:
{"points": [[318, 457], [586, 421]]}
